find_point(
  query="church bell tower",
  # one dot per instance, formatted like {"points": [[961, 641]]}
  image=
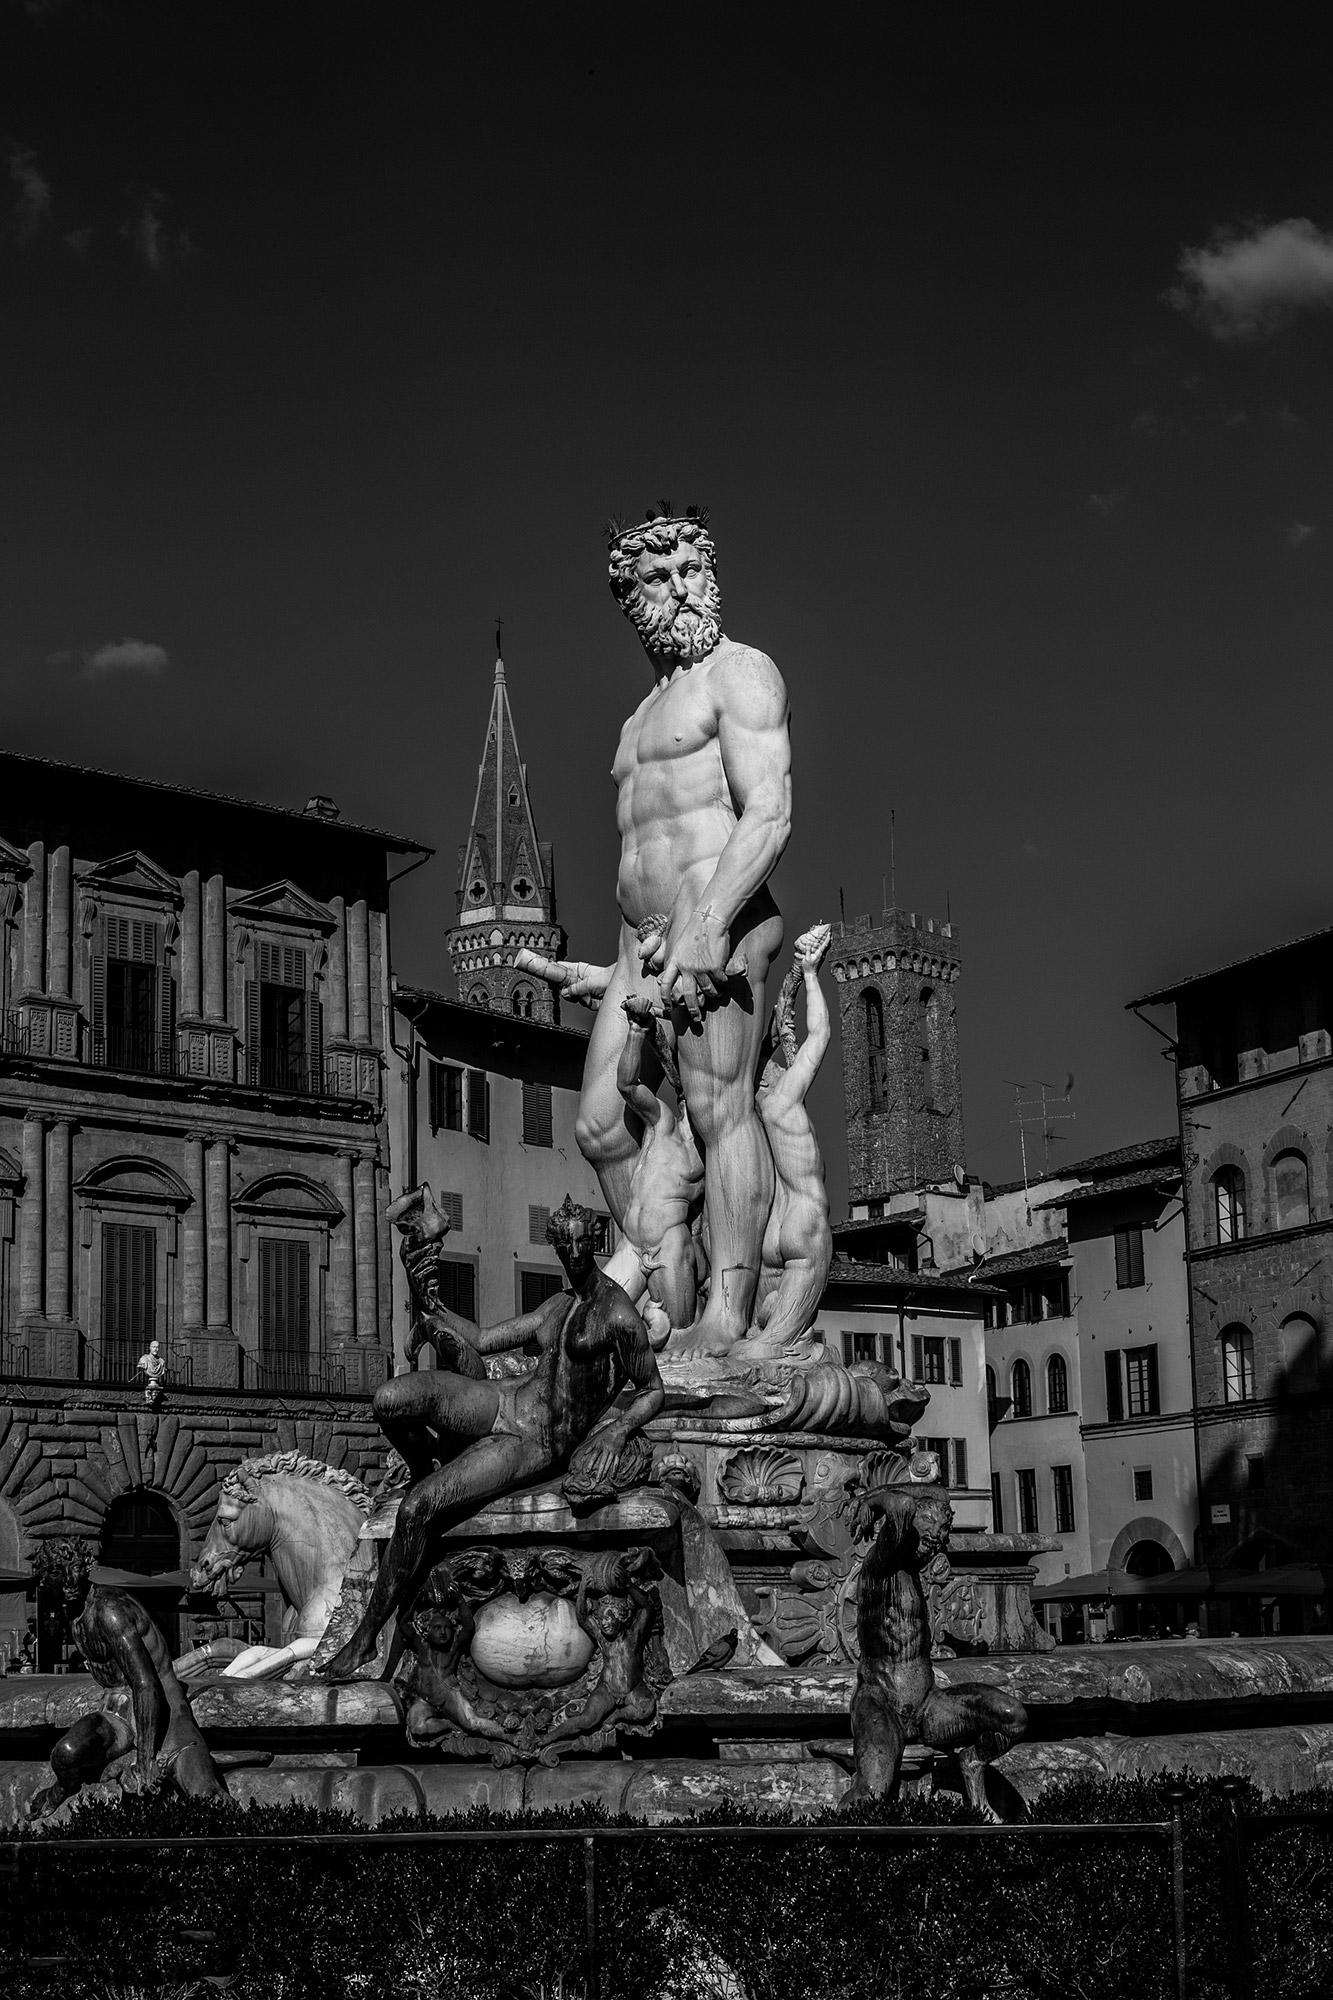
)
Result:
{"points": [[506, 883], [900, 1082]]}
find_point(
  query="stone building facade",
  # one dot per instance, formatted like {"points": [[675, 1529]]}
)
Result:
{"points": [[1254, 1068], [506, 882], [902, 1095], [483, 1110], [194, 1022]]}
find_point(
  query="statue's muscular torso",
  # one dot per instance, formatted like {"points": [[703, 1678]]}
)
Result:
{"points": [[674, 805]]}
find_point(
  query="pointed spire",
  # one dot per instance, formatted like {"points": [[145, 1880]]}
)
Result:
{"points": [[506, 895]]}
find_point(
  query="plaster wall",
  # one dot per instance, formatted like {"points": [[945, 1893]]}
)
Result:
{"points": [[953, 1412]]}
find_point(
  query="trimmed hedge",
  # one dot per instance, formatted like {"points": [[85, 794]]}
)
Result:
{"points": [[678, 1919]]}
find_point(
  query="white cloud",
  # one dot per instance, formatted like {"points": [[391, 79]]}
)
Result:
{"points": [[31, 209], [1300, 532], [151, 236], [1248, 283], [117, 656]]}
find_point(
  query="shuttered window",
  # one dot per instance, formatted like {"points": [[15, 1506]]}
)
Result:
{"points": [[458, 1286], [284, 1303], [535, 1287], [537, 1221], [1115, 1392], [536, 1114], [129, 1297], [446, 1098], [956, 1370], [1143, 1396], [132, 999], [1129, 1257], [960, 1461], [451, 1206], [478, 1104], [284, 1033]]}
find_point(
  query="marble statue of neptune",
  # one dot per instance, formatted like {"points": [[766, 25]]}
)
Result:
{"points": [[703, 789]]}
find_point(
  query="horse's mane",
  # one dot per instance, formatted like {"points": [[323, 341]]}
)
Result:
{"points": [[295, 1465]]}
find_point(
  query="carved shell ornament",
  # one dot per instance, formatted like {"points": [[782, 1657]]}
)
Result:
{"points": [[761, 1476]]}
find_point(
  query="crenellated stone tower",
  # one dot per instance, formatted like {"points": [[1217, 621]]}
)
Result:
{"points": [[506, 883], [901, 1091]]}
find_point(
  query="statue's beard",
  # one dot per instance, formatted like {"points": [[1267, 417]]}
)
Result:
{"points": [[686, 630]]}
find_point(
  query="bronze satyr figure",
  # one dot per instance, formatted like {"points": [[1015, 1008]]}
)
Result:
{"points": [[467, 1442], [896, 1701], [146, 1715]]}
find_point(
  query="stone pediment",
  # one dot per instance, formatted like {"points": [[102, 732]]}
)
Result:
{"points": [[11, 1173], [13, 860], [131, 1177], [292, 1195], [131, 874], [283, 902]]}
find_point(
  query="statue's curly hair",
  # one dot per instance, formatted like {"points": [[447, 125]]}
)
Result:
{"points": [[660, 532]]}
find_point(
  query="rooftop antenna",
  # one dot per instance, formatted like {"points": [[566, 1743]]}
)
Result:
{"points": [[842, 906], [1047, 1108], [1020, 1105], [893, 858], [499, 649], [1052, 1114]]}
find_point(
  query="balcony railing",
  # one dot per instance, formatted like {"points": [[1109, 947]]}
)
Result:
{"points": [[276, 1069], [294, 1375], [15, 1034], [13, 1360], [141, 1055], [113, 1364]]}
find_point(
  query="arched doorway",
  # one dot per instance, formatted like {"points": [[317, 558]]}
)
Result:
{"points": [[140, 1534], [1146, 1617]]}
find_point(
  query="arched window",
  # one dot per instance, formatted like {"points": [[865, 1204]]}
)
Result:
{"points": [[478, 997], [1020, 1388], [923, 1012], [873, 1008], [520, 1002], [1057, 1385], [1148, 1559], [1299, 1344], [1229, 1204], [1237, 1365], [1291, 1191]]}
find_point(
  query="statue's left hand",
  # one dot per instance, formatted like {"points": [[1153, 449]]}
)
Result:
{"points": [[699, 965]]}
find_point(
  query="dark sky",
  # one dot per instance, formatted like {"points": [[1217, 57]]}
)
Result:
{"points": [[327, 334]]}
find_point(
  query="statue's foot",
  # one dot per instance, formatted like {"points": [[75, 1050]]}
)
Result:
{"points": [[690, 1343]]}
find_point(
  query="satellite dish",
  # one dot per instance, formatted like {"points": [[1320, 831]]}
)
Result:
{"points": [[978, 1244], [960, 1174]]}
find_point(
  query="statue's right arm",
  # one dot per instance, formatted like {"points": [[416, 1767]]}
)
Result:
{"points": [[517, 1332], [645, 1103], [133, 1658], [817, 1034]]}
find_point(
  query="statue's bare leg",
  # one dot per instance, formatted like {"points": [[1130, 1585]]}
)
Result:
{"points": [[494, 1463], [414, 1411], [879, 1740], [717, 1065], [979, 1724], [673, 1280], [605, 1137]]}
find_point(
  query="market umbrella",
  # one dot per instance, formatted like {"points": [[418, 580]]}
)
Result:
{"points": [[129, 1579], [1073, 1589], [1284, 1580]]}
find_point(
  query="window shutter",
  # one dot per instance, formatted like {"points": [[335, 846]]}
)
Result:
{"points": [[996, 1503], [434, 1093], [1115, 1399], [314, 1040], [97, 1006], [1154, 1399], [918, 1359], [302, 1259], [537, 1221], [960, 1461], [1122, 1258], [252, 1021], [956, 1370], [478, 1104], [453, 1100], [848, 1353], [166, 1015], [451, 1205]]}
